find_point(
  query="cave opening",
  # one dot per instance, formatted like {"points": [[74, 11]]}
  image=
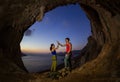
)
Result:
{"points": [[104, 16], [59, 23]]}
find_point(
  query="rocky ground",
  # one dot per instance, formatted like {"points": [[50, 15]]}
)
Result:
{"points": [[73, 76]]}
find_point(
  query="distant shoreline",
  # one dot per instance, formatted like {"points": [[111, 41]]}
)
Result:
{"points": [[58, 53]]}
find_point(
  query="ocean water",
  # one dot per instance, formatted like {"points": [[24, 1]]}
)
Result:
{"points": [[39, 63]]}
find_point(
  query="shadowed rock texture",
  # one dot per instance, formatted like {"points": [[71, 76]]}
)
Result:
{"points": [[102, 53]]}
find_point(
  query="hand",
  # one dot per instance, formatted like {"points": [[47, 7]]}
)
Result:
{"points": [[57, 46]]}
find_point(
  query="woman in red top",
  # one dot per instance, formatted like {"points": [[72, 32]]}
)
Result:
{"points": [[67, 60]]}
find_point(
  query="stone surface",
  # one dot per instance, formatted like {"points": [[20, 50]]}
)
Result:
{"points": [[100, 57]]}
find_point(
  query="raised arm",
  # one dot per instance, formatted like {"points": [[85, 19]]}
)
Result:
{"points": [[63, 45], [57, 47]]}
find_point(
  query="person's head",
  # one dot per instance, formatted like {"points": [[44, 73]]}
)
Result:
{"points": [[67, 40], [52, 46]]}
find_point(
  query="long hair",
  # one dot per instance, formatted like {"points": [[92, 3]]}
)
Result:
{"points": [[51, 47]]}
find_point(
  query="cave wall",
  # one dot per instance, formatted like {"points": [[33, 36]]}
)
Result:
{"points": [[18, 15], [104, 25], [105, 40]]}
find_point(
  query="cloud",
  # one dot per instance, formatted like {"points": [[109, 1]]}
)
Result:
{"points": [[29, 32]]}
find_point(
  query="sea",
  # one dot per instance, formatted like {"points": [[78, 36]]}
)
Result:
{"points": [[39, 62]]}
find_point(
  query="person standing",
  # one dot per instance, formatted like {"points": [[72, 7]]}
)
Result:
{"points": [[67, 59], [54, 57]]}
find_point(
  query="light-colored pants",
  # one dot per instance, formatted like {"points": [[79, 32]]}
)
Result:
{"points": [[66, 61], [54, 63]]}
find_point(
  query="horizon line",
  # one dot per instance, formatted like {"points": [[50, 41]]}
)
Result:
{"points": [[45, 52]]}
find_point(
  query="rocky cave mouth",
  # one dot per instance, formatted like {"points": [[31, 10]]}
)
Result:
{"points": [[97, 34], [41, 34], [104, 42]]}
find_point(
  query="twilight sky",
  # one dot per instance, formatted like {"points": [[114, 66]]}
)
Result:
{"points": [[57, 24]]}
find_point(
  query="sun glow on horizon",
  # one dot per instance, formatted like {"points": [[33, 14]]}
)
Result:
{"points": [[36, 51]]}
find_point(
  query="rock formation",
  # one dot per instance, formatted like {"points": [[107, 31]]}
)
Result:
{"points": [[102, 53]]}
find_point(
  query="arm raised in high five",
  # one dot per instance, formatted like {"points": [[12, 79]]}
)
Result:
{"points": [[62, 45]]}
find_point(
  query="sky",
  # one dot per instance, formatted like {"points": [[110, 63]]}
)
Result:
{"points": [[57, 24]]}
